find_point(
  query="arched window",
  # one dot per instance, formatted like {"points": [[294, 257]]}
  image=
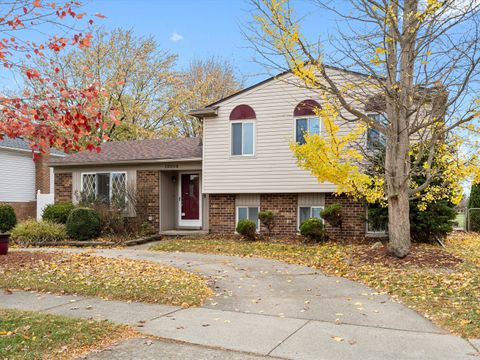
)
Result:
{"points": [[243, 130], [242, 112], [306, 108], [306, 119]]}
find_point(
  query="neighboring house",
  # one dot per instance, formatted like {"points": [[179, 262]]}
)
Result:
{"points": [[21, 177], [242, 165]]}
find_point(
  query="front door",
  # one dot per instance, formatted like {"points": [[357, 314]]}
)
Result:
{"points": [[190, 200]]}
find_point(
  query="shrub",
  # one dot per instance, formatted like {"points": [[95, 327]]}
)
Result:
{"points": [[435, 223], [333, 215], [8, 219], [313, 229], [268, 220], [57, 213], [83, 224], [247, 229], [31, 232]]}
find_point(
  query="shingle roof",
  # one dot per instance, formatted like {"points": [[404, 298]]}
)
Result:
{"points": [[137, 150], [21, 144]]}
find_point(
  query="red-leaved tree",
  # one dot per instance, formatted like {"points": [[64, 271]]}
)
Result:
{"points": [[54, 115]]}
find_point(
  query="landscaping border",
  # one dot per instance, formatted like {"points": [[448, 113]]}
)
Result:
{"points": [[133, 242]]}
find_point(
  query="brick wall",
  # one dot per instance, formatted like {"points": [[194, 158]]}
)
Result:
{"points": [[148, 192], [23, 210], [353, 218], [42, 174], [284, 208], [63, 187], [222, 213]]}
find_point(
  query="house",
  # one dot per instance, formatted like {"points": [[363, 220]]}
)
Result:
{"points": [[242, 165], [21, 177]]}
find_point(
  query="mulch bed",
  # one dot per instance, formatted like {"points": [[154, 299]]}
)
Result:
{"points": [[419, 256], [19, 259]]}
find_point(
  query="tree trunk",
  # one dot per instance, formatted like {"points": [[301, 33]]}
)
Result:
{"points": [[399, 224]]}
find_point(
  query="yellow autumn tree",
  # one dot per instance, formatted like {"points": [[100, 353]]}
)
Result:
{"points": [[413, 64]]}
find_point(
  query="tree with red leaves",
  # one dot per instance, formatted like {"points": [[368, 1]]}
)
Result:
{"points": [[54, 114]]}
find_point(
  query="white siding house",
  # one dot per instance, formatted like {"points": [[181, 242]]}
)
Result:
{"points": [[21, 177]]}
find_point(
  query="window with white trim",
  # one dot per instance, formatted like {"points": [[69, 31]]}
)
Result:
{"points": [[307, 212], [375, 139], [110, 187], [243, 137], [306, 125], [250, 213]]}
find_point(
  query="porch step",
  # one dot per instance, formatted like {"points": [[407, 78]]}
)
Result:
{"points": [[183, 232]]}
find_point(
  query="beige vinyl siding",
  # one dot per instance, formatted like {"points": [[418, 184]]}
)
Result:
{"points": [[273, 168], [312, 199], [168, 201], [247, 200]]}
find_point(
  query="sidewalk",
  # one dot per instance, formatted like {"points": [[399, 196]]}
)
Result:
{"points": [[257, 310]]}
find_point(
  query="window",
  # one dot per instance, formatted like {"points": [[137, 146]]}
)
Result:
{"points": [[250, 213], [306, 120], [243, 133], [307, 212], [107, 187], [375, 139], [306, 126], [377, 219], [243, 130]]}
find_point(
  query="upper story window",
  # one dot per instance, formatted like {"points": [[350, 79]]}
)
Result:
{"points": [[375, 139], [306, 120], [243, 130]]}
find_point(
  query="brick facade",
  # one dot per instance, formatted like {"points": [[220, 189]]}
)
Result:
{"points": [[353, 213], [42, 174], [284, 208], [148, 192], [222, 213], [23, 210], [63, 187]]}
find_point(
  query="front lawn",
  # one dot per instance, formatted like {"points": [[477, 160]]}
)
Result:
{"points": [[443, 285], [31, 335], [114, 279]]}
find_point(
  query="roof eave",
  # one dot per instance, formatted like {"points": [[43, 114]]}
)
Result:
{"points": [[204, 112], [121, 162]]}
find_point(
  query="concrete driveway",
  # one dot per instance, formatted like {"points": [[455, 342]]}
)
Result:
{"points": [[269, 308]]}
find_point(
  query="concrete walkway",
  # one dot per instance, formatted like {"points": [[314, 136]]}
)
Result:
{"points": [[267, 308]]}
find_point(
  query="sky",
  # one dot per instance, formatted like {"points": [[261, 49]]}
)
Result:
{"points": [[198, 28]]}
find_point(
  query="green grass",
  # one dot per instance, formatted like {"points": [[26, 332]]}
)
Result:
{"points": [[115, 279], [31, 335], [449, 297]]}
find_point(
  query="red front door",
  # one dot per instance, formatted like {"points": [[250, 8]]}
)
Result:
{"points": [[190, 189]]}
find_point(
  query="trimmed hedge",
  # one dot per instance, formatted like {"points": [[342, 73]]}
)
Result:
{"points": [[247, 229], [84, 224], [268, 220], [313, 229], [333, 215], [8, 219], [31, 232], [57, 213]]}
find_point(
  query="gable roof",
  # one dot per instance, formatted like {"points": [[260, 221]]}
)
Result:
{"points": [[211, 109], [22, 145], [137, 151]]}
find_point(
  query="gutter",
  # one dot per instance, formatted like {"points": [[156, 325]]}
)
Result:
{"points": [[121, 162]]}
